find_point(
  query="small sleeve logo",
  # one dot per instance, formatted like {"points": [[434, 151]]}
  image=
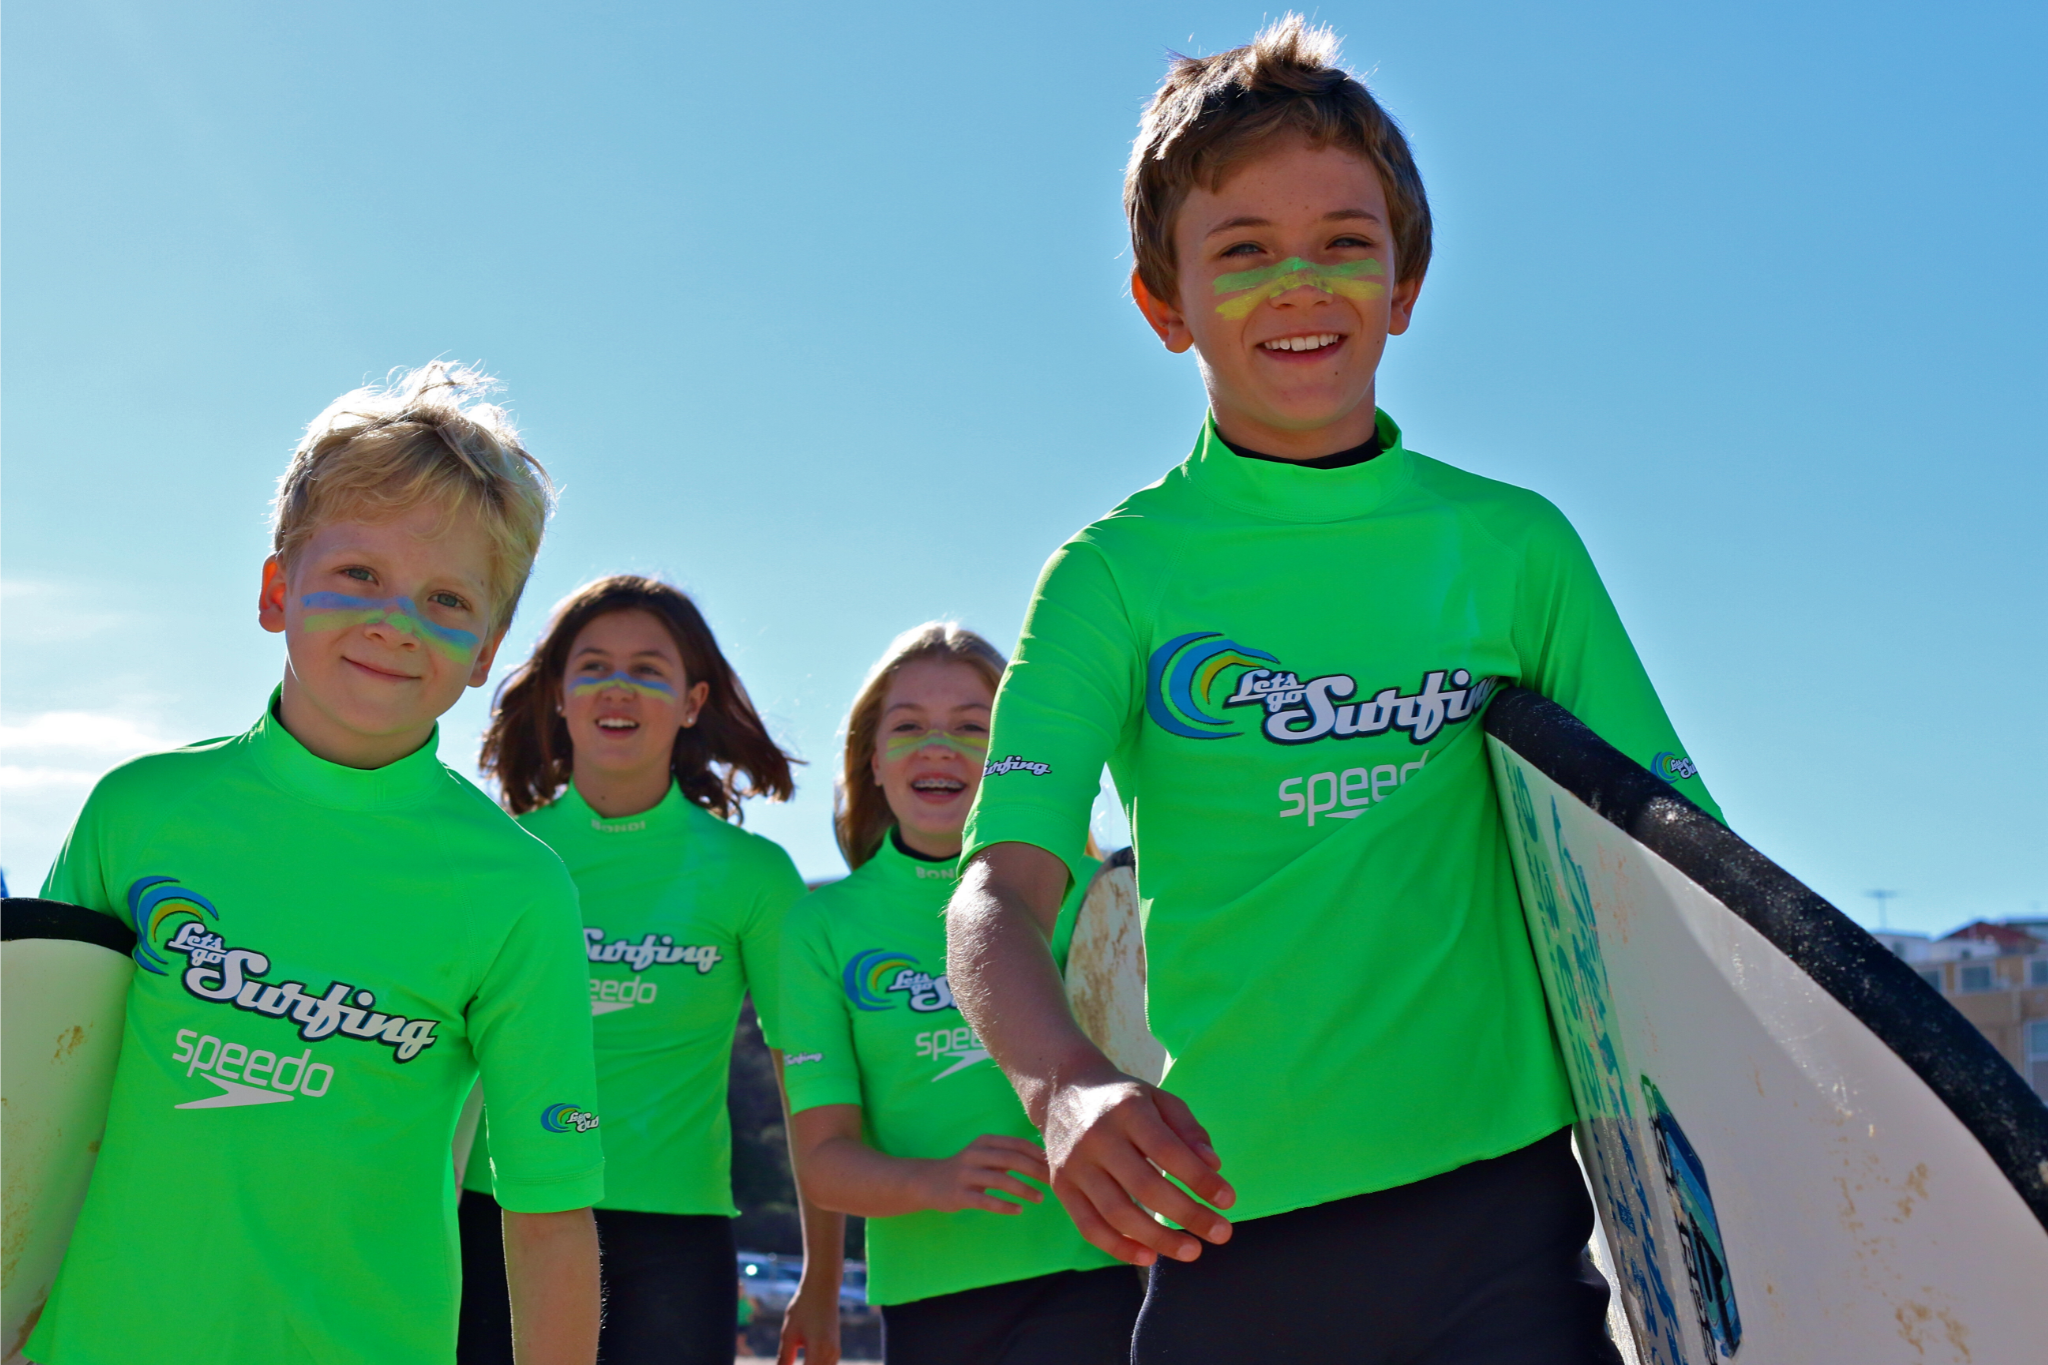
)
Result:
{"points": [[1015, 763], [1673, 767], [565, 1118]]}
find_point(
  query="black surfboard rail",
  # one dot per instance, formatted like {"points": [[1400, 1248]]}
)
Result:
{"points": [[1928, 1034], [27, 917]]}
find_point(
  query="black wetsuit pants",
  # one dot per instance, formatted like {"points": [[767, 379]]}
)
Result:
{"points": [[1482, 1265], [1073, 1317], [671, 1288]]}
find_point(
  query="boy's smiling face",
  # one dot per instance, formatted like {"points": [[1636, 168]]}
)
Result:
{"points": [[385, 624], [1288, 296]]}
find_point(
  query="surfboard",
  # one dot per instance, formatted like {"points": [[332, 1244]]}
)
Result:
{"points": [[64, 974], [1799, 1150], [465, 1130], [1106, 970]]}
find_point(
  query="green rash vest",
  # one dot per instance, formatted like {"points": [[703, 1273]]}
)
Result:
{"points": [[327, 958], [1285, 670], [868, 1019], [682, 914]]}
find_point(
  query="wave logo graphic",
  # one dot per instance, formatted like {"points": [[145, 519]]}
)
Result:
{"points": [[567, 1118], [1673, 767], [151, 902], [870, 974], [1181, 678]]}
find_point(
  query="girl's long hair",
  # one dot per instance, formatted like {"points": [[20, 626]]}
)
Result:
{"points": [[724, 758], [860, 810]]}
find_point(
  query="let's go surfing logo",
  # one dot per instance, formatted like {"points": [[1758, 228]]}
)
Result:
{"points": [[1187, 694], [648, 952], [1674, 767], [567, 1118], [233, 976], [872, 977], [610, 994]]}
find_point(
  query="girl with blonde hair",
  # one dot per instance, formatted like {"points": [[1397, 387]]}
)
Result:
{"points": [[898, 1115]]}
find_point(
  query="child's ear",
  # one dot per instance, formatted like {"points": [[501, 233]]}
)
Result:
{"points": [[1401, 305], [270, 600], [698, 694], [480, 671], [1164, 318]]}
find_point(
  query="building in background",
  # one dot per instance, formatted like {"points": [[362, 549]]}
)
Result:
{"points": [[1996, 975]]}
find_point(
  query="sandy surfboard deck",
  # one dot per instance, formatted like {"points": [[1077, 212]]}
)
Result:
{"points": [[64, 975], [1800, 1152], [1106, 971]]}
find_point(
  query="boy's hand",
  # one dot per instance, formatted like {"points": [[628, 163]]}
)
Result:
{"points": [[965, 1179], [1109, 1139], [1108, 1136]]}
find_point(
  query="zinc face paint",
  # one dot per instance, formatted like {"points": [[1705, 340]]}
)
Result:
{"points": [[340, 611], [974, 747], [644, 687], [1356, 280]]}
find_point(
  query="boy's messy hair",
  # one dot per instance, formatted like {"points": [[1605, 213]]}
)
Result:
{"points": [[1213, 112], [421, 439]]}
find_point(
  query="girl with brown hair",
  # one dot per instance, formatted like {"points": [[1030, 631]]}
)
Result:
{"points": [[627, 744], [898, 1114]]}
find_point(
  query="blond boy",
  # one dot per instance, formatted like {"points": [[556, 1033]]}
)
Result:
{"points": [[335, 935], [1283, 649]]}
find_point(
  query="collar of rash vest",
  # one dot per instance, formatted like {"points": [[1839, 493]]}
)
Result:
{"points": [[296, 769], [670, 813], [1283, 491]]}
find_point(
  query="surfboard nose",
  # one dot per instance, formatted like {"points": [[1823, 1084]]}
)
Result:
{"points": [[64, 973]]}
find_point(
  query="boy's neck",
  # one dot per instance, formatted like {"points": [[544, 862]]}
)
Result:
{"points": [[1241, 428], [326, 738]]}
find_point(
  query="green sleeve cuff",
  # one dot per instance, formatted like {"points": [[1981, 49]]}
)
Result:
{"points": [[559, 1195], [814, 1092], [1057, 832]]}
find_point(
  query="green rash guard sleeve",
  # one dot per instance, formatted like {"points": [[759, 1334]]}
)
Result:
{"points": [[825, 1070], [530, 1026], [1067, 698], [75, 876], [761, 942], [1577, 653]]}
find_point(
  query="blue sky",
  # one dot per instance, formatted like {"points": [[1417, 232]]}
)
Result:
{"points": [[819, 310]]}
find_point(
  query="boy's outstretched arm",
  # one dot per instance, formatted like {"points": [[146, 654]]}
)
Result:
{"points": [[551, 1270], [1108, 1136]]}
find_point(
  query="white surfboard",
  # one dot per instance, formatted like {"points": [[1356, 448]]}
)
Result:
{"points": [[64, 975], [1106, 971], [1800, 1151]]}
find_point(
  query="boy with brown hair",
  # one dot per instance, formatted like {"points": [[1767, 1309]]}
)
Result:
{"points": [[1283, 649], [335, 933]]}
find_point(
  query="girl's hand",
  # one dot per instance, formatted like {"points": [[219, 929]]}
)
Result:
{"points": [[811, 1324], [966, 1180]]}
